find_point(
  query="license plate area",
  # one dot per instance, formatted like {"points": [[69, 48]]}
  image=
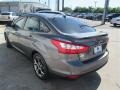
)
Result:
{"points": [[98, 49]]}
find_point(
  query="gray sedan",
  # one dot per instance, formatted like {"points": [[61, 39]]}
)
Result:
{"points": [[58, 43]]}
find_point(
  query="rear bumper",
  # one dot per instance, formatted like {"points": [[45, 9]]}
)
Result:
{"points": [[5, 20], [84, 68], [115, 22], [93, 66]]}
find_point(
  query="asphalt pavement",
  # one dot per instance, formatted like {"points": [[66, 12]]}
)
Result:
{"points": [[16, 70]]}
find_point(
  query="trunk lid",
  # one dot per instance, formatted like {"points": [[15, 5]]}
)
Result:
{"points": [[86, 35], [97, 41]]}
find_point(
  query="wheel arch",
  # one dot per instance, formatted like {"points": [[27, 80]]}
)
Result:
{"points": [[33, 52]]}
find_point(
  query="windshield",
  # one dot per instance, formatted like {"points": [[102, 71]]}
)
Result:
{"points": [[71, 25]]}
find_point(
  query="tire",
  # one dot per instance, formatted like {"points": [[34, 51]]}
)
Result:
{"points": [[8, 44], [40, 66], [115, 24]]}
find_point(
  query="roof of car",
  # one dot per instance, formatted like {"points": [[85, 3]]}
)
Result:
{"points": [[47, 15], [53, 16]]}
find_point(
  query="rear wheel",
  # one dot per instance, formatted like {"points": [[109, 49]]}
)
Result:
{"points": [[40, 66]]}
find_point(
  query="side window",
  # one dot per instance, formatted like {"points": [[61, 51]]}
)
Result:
{"points": [[32, 24], [20, 23], [44, 28]]}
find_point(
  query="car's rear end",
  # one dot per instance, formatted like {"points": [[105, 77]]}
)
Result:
{"points": [[115, 21], [7, 16], [79, 56], [78, 50]]}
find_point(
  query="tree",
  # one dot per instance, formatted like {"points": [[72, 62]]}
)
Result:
{"points": [[77, 9], [115, 10], [67, 9], [91, 9], [95, 10], [99, 10], [81, 10]]}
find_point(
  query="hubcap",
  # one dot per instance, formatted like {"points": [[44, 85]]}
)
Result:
{"points": [[39, 67]]}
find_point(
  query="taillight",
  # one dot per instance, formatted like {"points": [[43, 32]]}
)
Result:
{"points": [[70, 48]]}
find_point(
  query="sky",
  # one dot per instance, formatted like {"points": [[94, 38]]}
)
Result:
{"points": [[74, 3], [87, 3]]}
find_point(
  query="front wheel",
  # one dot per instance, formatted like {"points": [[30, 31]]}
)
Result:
{"points": [[40, 66], [115, 24]]}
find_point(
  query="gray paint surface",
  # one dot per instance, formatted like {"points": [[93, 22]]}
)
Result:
{"points": [[16, 71]]}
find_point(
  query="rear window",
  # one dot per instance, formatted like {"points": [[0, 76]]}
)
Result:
{"points": [[71, 25], [5, 13]]}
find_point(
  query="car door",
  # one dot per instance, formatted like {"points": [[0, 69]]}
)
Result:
{"points": [[16, 26], [26, 40]]}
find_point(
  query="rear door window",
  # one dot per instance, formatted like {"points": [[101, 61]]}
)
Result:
{"points": [[32, 24], [36, 25], [44, 28], [20, 22]]}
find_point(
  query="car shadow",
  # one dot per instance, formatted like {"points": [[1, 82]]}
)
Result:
{"points": [[115, 26], [89, 81], [97, 25], [20, 73], [2, 23]]}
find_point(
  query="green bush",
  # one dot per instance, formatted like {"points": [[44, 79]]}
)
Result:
{"points": [[91, 10]]}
